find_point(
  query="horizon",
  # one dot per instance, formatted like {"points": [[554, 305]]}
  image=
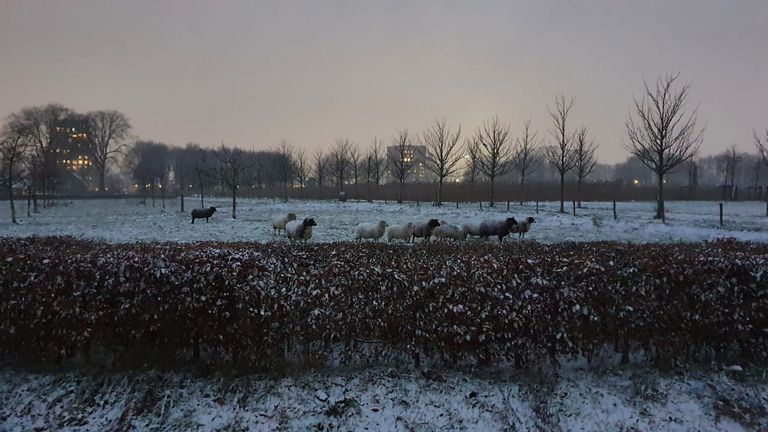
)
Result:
{"points": [[251, 75]]}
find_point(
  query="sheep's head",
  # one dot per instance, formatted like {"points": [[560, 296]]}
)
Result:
{"points": [[308, 222], [409, 225], [383, 224], [291, 216], [511, 222], [433, 223], [212, 209], [530, 220]]}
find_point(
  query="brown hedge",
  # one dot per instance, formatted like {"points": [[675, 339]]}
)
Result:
{"points": [[62, 298]]}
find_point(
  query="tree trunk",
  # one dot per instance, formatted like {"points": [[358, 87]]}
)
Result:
{"points": [[162, 195], [562, 192], [234, 203], [102, 174], [578, 193], [153, 193], [202, 204], [29, 200], [285, 190], [440, 192], [660, 199], [182, 199], [490, 204], [522, 189], [400, 193], [10, 192]]}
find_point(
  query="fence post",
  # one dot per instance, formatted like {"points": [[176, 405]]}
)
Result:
{"points": [[507, 205], [614, 210], [457, 204], [721, 214], [537, 206], [574, 207], [481, 205]]}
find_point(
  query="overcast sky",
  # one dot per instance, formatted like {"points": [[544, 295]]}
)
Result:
{"points": [[251, 73]]}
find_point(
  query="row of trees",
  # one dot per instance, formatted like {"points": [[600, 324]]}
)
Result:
{"points": [[662, 131]]}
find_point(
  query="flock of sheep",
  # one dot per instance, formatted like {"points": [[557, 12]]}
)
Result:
{"points": [[302, 230]]}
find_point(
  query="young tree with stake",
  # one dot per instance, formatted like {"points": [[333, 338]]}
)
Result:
{"points": [[443, 153]]}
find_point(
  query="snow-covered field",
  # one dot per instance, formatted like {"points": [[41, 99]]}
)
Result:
{"points": [[611, 399], [128, 220]]}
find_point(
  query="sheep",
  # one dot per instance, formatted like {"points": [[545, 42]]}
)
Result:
{"points": [[448, 231], [203, 213], [278, 222], [402, 232], [523, 227], [498, 228], [470, 228], [424, 229], [300, 230], [370, 230]]}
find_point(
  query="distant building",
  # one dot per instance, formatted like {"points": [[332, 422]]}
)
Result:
{"points": [[72, 154], [417, 155]]}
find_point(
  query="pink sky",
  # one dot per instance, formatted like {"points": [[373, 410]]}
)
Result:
{"points": [[252, 73]]}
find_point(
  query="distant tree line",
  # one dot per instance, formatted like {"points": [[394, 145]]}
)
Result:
{"points": [[663, 141]]}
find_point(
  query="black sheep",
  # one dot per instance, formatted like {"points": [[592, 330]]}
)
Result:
{"points": [[424, 229], [498, 228], [203, 213]]}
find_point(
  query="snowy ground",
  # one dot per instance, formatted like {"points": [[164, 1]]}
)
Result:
{"points": [[128, 221], [385, 399]]}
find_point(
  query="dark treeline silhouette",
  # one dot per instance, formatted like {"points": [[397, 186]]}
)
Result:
{"points": [[51, 150]]}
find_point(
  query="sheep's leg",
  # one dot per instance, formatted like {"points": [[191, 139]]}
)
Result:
{"points": [[193, 220]]}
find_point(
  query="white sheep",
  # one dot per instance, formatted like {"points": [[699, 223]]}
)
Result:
{"points": [[300, 230], [278, 222], [370, 230], [523, 227], [448, 231], [401, 232]]}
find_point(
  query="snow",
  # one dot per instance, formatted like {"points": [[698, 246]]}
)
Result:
{"points": [[381, 399], [128, 221]]}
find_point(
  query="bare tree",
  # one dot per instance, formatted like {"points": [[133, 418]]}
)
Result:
{"points": [[40, 125], [495, 151], [692, 172], [525, 158], [761, 144], [319, 167], [400, 159], [301, 164], [473, 160], [354, 162], [231, 169], [340, 162], [374, 166], [204, 169], [561, 154], [183, 162], [108, 131], [584, 153], [285, 165], [13, 147], [443, 153], [661, 133]]}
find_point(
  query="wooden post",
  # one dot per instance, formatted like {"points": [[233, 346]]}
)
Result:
{"points": [[457, 204], [574, 208], [537, 206], [614, 210], [507, 205], [481, 205], [721, 214]]}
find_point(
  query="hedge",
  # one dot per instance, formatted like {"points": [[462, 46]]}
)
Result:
{"points": [[249, 304]]}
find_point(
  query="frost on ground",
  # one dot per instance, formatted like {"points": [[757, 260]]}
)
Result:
{"points": [[129, 221], [385, 399]]}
